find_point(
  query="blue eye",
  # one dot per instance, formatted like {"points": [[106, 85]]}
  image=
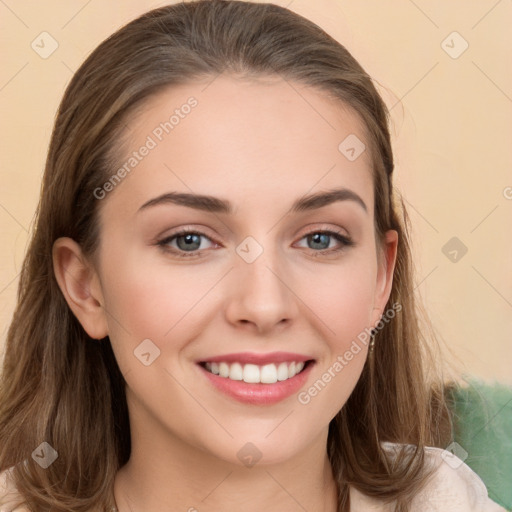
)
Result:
{"points": [[188, 242], [323, 237]]}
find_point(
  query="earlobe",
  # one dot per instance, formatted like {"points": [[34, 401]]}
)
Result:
{"points": [[385, 274], [80, 286]]}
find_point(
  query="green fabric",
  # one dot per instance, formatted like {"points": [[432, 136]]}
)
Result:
{"points": [[482, 415]]}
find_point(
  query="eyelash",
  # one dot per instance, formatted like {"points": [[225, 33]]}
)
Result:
{"points": [[345, 240]]}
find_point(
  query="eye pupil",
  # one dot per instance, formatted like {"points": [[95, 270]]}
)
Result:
{"points": [[320, 238], [190, 240]]}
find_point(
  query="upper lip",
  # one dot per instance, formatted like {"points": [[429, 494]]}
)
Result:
{"points": [[257, 359]]}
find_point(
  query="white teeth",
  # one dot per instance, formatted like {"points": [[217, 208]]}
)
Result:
{"points": [[254, 374], [268, 374], [223, 369], [236, 371], [251, 374], [282, 372]]}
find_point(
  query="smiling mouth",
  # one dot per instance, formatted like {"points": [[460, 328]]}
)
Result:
{"points": [[256, 374]]}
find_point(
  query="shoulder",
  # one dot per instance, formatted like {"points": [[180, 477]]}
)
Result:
{"points": [[453, 486], [9, 496]]}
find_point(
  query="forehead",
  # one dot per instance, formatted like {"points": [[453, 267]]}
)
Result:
{"points": [[266, 135]]}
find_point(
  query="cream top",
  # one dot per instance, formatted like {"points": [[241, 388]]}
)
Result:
{"points": [[454, 487]]}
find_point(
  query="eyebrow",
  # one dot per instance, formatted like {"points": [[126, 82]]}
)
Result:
{"points": [[217, 205]]}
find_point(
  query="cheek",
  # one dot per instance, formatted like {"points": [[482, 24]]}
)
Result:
{"points": [[148, 298], [342, 298]]}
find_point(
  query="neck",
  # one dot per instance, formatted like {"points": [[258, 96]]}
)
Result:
{"points": [[167, 474]]}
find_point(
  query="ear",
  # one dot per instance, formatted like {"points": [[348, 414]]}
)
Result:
{"points": [[386, 267], [80, 286]]}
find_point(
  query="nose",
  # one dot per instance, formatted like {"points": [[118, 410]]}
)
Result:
{"points": [[261, 296]]}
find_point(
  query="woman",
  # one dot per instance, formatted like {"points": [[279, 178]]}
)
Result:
{"points": [[216, 309]]}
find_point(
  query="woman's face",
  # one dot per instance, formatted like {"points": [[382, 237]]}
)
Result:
{"points": [[256, 283]]}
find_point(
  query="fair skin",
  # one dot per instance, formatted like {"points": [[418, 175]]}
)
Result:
{"points": [[261, 145]]}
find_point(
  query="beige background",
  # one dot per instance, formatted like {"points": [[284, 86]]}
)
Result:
{"points": [[451, 126]]}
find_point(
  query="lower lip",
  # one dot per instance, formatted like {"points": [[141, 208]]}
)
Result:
{"points": [[260, 394]]}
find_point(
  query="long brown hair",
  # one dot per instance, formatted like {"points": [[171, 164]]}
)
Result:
{"points": [[60, 386]]}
